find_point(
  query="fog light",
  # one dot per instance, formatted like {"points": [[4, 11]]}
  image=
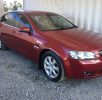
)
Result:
{"points": [[87, 73]]}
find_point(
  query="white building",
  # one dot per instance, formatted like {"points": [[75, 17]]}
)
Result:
{"points": [[1, 8], [84, 13]]}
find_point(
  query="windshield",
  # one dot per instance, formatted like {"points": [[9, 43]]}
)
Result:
{"points": [[51, 22]]}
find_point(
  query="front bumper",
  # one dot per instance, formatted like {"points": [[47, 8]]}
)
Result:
{"points": [[79, 69]]}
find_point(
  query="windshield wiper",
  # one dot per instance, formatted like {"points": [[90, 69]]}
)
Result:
{"points": [[62, 28]]}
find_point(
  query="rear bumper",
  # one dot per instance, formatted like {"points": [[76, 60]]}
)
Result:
{"points": [[83, 69]]}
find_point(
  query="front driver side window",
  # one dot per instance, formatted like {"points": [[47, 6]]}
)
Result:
{"points": [[21, 21]]}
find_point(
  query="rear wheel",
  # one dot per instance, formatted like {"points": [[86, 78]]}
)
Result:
{"points": [[2, 46], [52, 66]]}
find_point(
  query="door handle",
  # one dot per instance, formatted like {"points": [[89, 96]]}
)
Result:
{"points": [[13, 31], [36, 45]]}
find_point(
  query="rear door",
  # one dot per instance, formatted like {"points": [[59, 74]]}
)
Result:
{"points": [[7, 29]]}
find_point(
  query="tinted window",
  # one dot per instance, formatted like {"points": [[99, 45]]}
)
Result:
{"points": [[21, 21], [5, 19], [8, 19]]}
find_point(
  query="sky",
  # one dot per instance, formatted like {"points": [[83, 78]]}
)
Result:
{"points": [[10, 1]]}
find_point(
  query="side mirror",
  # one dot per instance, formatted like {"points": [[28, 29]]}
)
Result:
{"points": [[76, 26], [26, 30]]}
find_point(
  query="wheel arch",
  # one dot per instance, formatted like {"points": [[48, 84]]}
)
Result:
{"points": [[42, 52], [46, 50], [54, 52], [40, 56]]}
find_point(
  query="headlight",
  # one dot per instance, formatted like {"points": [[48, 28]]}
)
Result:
{"points": [[82, 55]]}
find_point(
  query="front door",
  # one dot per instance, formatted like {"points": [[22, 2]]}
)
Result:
{"points": [[24, 41]]}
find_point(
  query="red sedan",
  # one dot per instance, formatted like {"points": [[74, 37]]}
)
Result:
{"points": [[58, 46]]}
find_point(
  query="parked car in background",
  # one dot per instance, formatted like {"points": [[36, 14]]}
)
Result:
{"points": [[58, 46]]}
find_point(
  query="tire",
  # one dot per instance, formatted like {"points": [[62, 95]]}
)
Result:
{"points": [[52, 66], [3, 47]]}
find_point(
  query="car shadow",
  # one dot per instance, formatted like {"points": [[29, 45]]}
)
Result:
{"points": [[28, 70]]}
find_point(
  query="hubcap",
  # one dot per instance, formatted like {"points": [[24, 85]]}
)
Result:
{"points": [[0, 44], [51, 67]]}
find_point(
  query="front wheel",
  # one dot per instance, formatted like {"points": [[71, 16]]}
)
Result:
{"points": [[52, 66]]}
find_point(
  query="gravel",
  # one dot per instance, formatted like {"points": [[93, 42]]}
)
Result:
{"points": [[21, 80]]}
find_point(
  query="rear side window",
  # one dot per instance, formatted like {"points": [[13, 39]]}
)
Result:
{"points": [[5, 19], [8, 19], [21, 21]]}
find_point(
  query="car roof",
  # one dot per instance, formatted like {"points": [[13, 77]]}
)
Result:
{"points": [[32, 12]]}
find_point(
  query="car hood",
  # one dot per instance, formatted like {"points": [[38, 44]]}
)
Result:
{"points": [[77, 39]]}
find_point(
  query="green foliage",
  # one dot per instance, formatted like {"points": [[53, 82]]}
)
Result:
{"points": [[5, 6], [12, 6]]}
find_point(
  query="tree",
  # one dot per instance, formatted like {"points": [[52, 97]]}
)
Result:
{"points": [[5, 6], [12, 6], [16, 5], [19, 5]]}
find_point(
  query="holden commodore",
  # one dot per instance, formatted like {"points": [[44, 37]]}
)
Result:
{"points": [[59, 47]]}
